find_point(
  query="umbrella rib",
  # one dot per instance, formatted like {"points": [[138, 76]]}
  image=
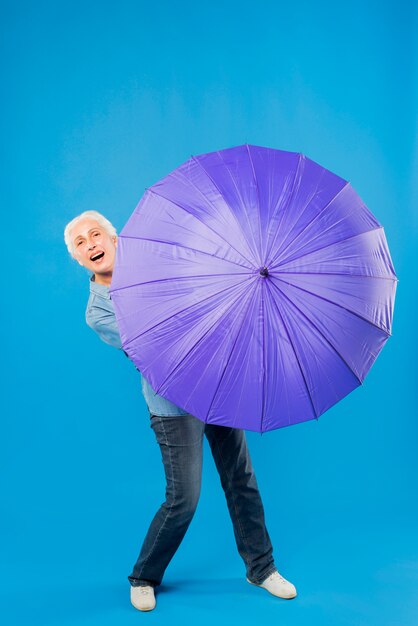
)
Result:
{"points": [[226, 203], [325, 231], [263, 389], [170, 374], [238, 402], [295, 353], [311, 222], [301, 212], [182, 246], [321, 333], [283, 208], [214, 206], [176, 278], [230, 355], [204, 223], [384, 329], [244, 205], [183, 310], [372, 230], [340, 274], [258, 199]]}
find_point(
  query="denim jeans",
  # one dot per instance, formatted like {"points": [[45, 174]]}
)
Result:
{"points": [[180, 439]]}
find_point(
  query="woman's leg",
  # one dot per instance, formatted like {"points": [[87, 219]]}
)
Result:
{"points": [[232, 459], [180, 439]]}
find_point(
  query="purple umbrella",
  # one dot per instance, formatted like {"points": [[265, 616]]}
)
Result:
{"points": [[253, 288]]}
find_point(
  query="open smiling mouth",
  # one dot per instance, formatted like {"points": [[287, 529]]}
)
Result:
{"points": [[97, 257]]}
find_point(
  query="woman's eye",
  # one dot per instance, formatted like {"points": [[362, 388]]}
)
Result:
{"points": [[96, 234], [79, 242]]}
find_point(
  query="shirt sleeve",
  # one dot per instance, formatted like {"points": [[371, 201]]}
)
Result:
{"points": [[104, 324]]}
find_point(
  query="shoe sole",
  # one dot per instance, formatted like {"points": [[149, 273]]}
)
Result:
{"points": [[139, 609], [273, 594]]}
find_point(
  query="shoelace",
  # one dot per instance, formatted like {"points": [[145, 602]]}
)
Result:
{"points": [[145, 590], [277, 575]]}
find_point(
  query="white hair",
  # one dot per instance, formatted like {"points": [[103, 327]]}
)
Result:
{"points": [[95, 215]]}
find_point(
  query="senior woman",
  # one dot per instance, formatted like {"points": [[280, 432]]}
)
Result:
{"points": [[92, 240]]}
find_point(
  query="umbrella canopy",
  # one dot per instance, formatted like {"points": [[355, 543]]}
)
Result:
{"points": [[253, 288]]}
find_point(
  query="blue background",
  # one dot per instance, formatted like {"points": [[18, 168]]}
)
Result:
{"points": [[99, 101]]}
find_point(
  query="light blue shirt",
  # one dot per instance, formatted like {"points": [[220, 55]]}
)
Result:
{"points": [[100, 316]]}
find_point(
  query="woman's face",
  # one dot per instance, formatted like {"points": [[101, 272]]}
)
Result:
{"points": [[94, 248]]}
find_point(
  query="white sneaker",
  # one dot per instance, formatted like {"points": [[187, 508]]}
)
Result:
{"points": [[278, 586], [143, 598]]}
